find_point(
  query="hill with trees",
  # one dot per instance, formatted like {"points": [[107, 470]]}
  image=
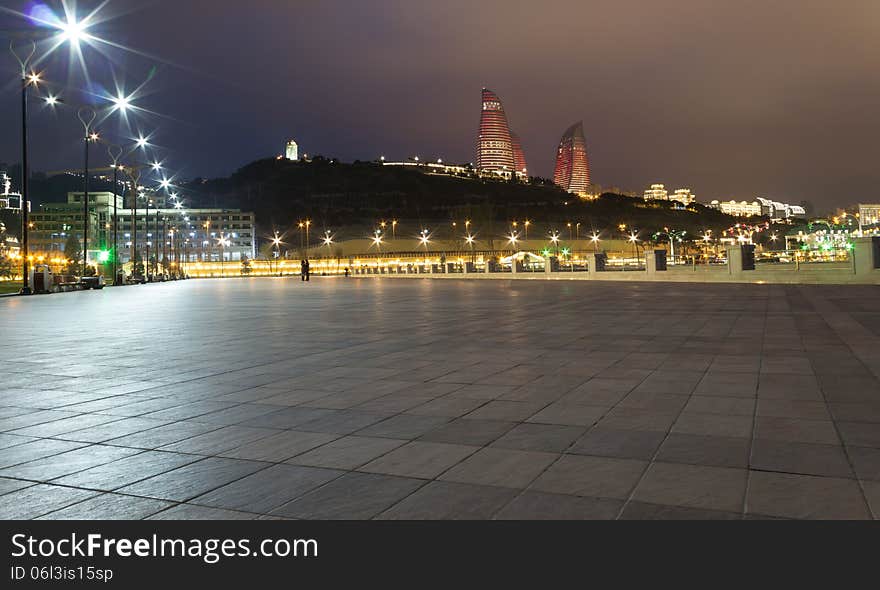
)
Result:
{"points": [[335, 194]]}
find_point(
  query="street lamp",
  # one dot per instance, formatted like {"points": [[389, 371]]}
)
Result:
{"points": [[424, 238], [115, 152], [469, 239], [276, 241], [224, 243], [634, 238], [308, 224], [555, 239], [86, 116], [595, 240], [24, 61], [672, 235]]}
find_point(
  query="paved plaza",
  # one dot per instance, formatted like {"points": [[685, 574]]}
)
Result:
{"points": [[379, 398]]}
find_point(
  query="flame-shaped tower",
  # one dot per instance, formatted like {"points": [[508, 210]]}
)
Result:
{"points": [[572, 171], [495, 145]]}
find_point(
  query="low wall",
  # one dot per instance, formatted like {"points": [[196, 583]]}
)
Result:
{"points": [[779, 276]]}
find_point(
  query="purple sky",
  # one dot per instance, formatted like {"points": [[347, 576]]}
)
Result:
{"points": [[733, 99]]}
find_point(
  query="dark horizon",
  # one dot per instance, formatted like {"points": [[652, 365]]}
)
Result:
{"points": [[709, 96]]}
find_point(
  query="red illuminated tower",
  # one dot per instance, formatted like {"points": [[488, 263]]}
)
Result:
{"points": [[572, 171], [519, 157], [494, 146]]}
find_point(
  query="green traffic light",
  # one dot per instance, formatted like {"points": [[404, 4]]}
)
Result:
{"points": [[103, 256]]}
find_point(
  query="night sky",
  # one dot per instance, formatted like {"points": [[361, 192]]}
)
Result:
{"points": [[733, 99]]}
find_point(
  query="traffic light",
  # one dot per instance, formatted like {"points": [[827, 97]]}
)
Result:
{"points": [[103, 256]]}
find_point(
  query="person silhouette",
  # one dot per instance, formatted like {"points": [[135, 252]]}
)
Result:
{"points": [[303, 269], [308, 270]]}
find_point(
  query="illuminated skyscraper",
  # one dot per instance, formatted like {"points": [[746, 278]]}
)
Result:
{"points": [[495, 145], [572, 171], [519, 157]]}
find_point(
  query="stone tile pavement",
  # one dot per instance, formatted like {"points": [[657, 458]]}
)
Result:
{"points": [[384, 399]]}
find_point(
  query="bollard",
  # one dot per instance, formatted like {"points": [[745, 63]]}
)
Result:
{"points": [[655, 261], [866, 255], [740, 258], [596, 262]]}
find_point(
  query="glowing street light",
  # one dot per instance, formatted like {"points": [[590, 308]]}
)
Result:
{"points": [[121, 103], [73, 31], [276, 242], [634, 239], [513, 238]]}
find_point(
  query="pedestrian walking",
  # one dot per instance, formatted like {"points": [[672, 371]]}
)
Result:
{"points": [[303, 269], [308, 270]]}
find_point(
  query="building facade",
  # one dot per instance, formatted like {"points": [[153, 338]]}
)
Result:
{"points": [[777, 210], [199, 234], [572, 170], [683, 196], [519, 157], [291, 150], [8, 199], [869, 216], [657, 192], [499, 151], [738, 208]]}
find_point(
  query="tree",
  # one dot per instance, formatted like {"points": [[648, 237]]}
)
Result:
{"points": [[72, 248], [138, 266], [73, 252]]}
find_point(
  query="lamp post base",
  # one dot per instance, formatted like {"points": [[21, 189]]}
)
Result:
{"points": [[26, 291]]}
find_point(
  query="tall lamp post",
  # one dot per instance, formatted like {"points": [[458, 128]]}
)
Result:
{"points": [[86, 116], [134, 174], [115, 153], [555, 239], [308, 223], [469, 239], [276, 241], [26, 81]]}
